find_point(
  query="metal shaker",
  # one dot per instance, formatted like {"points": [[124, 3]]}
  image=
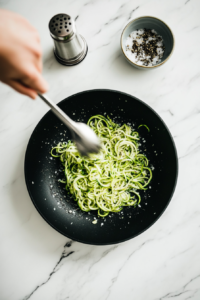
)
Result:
{"points": [[70, 48]]}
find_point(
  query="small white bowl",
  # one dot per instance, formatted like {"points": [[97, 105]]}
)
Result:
{"points": [[150, 23]]}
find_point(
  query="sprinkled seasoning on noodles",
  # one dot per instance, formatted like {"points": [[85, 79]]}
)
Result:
{"points": [[110, 180]]}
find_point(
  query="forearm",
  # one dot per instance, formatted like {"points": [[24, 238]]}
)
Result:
{"points": [[20, 55]]}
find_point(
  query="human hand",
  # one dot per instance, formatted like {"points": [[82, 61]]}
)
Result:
{"points": [[20, 55]]}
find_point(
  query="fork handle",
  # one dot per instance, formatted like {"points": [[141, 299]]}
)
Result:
{"points": [[58, 112]]}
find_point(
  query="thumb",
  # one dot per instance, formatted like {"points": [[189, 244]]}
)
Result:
{"points": [[35, 81]]}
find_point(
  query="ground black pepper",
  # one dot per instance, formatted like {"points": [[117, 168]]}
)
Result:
{"points": [[147, 46]]}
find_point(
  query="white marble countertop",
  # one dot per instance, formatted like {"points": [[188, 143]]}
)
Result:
{"points": [[163, 262]]}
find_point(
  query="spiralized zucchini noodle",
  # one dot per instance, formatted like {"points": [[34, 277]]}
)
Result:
{"points": [[111, 179]]}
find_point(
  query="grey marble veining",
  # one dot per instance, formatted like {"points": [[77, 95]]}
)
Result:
{"points": [[38, 263]]}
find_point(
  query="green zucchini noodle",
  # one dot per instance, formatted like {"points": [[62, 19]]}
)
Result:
{"points": [[111, 179]]}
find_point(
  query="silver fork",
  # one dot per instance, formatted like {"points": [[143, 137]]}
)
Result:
{"points": [[84, 137]]}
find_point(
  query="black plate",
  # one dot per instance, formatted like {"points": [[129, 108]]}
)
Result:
{"points": [[59, 209]]}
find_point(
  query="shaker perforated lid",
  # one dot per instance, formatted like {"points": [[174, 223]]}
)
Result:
{"points": [[62, 27]]}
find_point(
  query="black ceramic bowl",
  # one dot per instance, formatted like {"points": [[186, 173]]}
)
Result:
{"points": [[50, 197]]}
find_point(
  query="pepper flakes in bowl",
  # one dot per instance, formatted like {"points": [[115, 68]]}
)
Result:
{"points": [[145, 47]]}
